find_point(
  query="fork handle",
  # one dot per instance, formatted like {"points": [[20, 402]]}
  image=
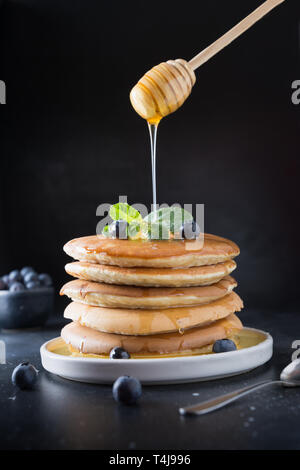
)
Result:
{"points": [[223, 400]]}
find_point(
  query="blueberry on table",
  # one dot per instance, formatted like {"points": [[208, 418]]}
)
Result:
{"points": [[190, 230], [30, 277], [24, 376], [3, 285], [26, 270], [224, 345], [16, 287], [127, 390], [119, 353], [118, 229], [33, 285], [14, 276], [45, 280]]}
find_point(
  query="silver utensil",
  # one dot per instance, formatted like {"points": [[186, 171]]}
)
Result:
{"points": [[289, 377]]}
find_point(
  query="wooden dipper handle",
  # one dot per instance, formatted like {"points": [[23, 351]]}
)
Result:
{"points": [[233, 33]]}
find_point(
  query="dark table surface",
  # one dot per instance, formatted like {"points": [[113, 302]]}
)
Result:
{"points": [[61, 414]]}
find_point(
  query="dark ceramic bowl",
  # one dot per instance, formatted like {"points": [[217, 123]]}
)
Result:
{"points": [[25, 309]]}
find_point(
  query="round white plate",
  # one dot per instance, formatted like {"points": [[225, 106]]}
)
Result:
{"points": [[161, 370]]}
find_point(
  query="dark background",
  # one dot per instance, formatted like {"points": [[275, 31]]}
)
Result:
{"points": [[70, 139]]}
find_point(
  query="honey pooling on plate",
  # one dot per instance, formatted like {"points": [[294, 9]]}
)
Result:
{"points": [[244, 339]]}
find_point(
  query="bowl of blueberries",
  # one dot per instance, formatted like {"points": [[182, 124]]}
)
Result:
{"points": [[26, 298]]}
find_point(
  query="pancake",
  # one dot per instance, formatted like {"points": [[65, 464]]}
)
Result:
{"points": [[154, 321], [152, 253], [147, 277], [107, 295], [90, 341]]}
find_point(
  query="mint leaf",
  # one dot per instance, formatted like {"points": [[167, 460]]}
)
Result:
{"points": [[133, 229], [123, 211], [158, 230], [105, 231], [172, 217]]}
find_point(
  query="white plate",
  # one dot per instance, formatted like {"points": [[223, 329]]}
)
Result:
{"points": [[161, 370]]}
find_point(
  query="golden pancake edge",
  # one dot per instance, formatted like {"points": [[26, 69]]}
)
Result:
{"points": [[88, 341], [152, 321], [152, 253], [151, 277], [118, 296]]}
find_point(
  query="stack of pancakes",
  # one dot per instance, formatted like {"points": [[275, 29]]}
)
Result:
{"points": [[150, 297]]}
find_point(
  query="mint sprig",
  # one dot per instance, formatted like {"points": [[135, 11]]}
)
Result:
{"points": [[156, 226]]}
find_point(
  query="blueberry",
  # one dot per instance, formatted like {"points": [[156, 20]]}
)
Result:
{"points": [[24, 376], [224, 345], [14, 276], [29, 277], [45, 280], [16, 287], [33, 285], [26, 270], [118, 229], [190, 230], [119, 353], [5, 279], [127, 390], [3, 285]]}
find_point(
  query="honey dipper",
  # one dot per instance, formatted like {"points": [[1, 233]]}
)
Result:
{"points": [[164, 88]]}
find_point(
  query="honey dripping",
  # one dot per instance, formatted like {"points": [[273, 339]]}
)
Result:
{"points": [[152, 126], [165, 87]]}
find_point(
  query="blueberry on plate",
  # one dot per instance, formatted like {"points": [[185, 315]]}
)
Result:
{"points": [[119, 353], [14, 276], [26, 270], [16, 287], [30, 277], [224, 345], [33, 285], [45, 280], [190, 230], [118, 229], [127, 390], [24, 376], [3, 285]]}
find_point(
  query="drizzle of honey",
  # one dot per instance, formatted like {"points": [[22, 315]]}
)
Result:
{"points": [[153, 125]]}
